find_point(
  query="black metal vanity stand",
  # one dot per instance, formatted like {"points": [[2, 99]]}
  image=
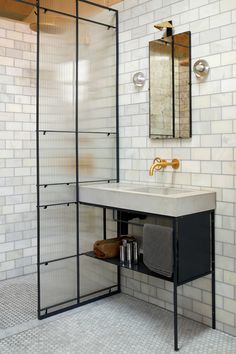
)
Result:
{"points": [[193, 252]]}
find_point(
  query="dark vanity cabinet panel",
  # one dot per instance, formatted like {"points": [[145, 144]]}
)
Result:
{"points": [[193, 233]]}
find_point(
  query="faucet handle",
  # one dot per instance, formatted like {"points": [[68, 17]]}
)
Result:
{"points": [[157, 160], [175, 164]]}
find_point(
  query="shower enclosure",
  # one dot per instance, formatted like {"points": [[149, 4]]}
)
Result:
{"points": [[77, 142]]}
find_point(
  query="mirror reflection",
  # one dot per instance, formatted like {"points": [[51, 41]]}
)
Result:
{"points": [[170, 87]]}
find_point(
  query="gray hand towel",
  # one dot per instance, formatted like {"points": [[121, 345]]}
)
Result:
{"points": [[157, 248]]}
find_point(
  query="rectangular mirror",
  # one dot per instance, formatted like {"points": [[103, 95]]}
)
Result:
{"points": [[170, 87]]}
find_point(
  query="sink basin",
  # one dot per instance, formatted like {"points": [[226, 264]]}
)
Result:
{"points": [[149, 199], [161, 190]]}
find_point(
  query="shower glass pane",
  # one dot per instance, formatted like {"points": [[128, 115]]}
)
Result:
{"points": [[67, 6], [97, 157], [97, 78], [57, 73], [57, 232], [91, 226], [58, 282], [96, 13], [94, 274], [57, 158], [57, 194]]}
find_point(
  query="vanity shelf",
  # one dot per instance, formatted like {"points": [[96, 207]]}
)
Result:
{"points": [[140, 267]]}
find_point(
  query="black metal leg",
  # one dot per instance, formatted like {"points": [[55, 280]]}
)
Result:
{"points": [[118, 279], [175, 319], [104, 224], [118, 227], [175, 271], [213, 300], [213, 270]]}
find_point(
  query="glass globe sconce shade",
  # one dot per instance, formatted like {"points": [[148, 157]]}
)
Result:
{"points": [[139, 79]]}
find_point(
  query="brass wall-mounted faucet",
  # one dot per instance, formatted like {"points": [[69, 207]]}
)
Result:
{"points": [[159, 164]]}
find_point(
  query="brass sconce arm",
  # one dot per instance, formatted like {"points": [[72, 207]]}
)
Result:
{"points": [[159, 164]]}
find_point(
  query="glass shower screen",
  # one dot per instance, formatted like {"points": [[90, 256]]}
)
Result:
{"points": [[77, 143]]}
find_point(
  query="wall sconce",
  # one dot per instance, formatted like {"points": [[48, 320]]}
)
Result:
{"points": [[139, 79], [201, 69]]}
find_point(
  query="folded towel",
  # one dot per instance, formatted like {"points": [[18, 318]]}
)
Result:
{"points": [[157, 248], [109, 248]]}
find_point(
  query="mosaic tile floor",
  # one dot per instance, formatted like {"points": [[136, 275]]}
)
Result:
{"points": [[116, 325], [18, 301]]}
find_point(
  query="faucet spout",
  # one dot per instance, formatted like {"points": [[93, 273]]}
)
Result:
{"points": [[159, 164], [155, 166]]}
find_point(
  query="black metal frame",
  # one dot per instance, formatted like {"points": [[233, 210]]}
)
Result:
{"points": [[173, 84], [113, 289], [37, 159], [77, 148], [190, 85]]}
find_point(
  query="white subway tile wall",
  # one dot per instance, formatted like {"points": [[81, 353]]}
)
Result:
{"points": [[17, 150], [207, 160]]}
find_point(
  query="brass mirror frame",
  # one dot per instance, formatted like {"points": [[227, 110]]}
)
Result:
{"points": [[171, 40]]}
